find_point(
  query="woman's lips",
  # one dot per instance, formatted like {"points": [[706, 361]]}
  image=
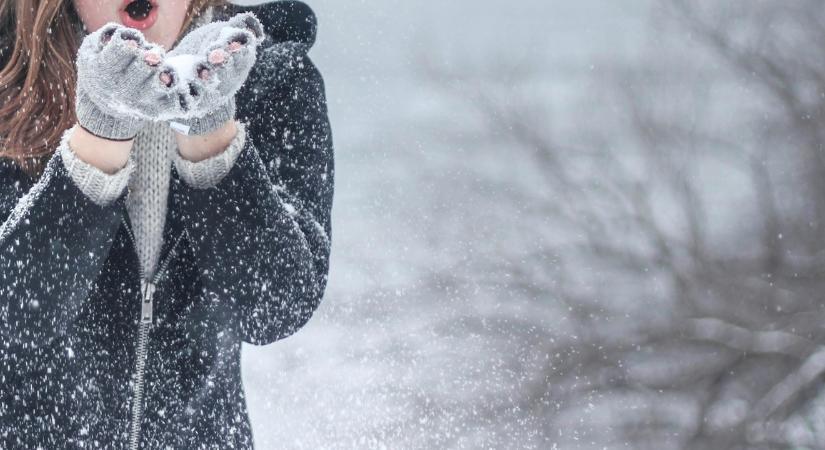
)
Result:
{"points": [[142, 24]]}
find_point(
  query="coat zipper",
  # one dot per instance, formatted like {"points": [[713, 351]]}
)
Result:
{"points": [[147, 292]]}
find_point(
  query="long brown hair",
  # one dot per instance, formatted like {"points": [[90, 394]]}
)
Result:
{"points": [[36, 97]]}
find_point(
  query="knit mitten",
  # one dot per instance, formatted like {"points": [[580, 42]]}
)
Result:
{"points": [[121, 84], [215, 60]]}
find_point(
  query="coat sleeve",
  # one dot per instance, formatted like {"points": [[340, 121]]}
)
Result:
{"points": [[54, 241], [262, 235]]}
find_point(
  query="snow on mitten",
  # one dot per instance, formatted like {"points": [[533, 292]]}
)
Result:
{"points": [[215, 60], [121, 85]]}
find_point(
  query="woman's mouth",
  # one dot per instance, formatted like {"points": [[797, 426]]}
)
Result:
{"points": [[139, 14]]}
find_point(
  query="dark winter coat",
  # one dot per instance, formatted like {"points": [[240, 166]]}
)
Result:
{"points": [[250, 265]]}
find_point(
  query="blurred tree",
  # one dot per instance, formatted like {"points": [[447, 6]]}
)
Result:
{"points": [[680, 224]]}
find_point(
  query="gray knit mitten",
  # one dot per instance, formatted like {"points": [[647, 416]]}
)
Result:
{"points": [[214, 60], [121, 84]]}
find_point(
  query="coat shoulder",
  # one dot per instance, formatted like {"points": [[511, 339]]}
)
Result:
{"points": [[283, 21], [282, 61]]}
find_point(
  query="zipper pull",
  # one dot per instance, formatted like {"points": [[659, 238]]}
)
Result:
{"points": [[147, 288]]}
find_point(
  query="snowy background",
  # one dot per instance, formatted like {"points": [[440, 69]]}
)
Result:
{"points": [[570, 225]]}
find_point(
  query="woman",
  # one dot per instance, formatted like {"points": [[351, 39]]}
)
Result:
{"points": [[158, 209]]}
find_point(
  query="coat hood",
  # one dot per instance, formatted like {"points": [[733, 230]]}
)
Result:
{"points": [[283, 21]]}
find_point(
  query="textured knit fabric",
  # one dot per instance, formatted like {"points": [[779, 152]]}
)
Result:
{"points": [[117, 91], [147, 175], [102, 188]]}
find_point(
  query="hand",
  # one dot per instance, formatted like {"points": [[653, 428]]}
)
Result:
{"points": [[121, 84], [215, 60]]}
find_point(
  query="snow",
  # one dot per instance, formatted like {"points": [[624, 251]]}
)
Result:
{"points": [[184, 66]]}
